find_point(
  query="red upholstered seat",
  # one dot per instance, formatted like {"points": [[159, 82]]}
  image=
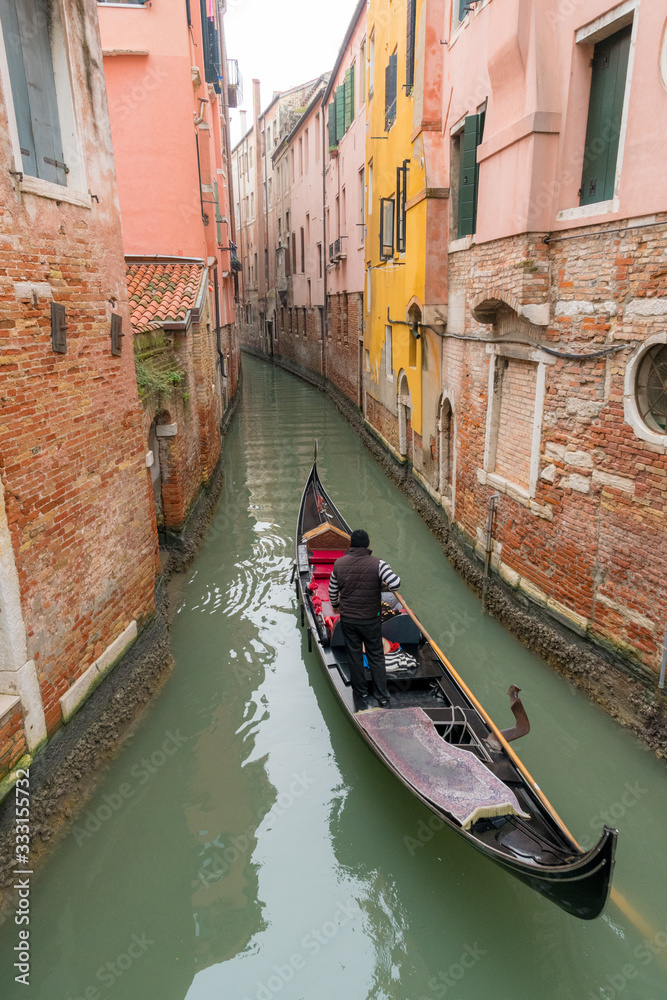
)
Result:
{"points": [[326, 555]]}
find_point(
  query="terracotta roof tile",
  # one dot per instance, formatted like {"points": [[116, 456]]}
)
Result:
{"points": [[161, 293]]}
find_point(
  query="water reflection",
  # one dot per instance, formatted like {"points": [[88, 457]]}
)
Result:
{"points": [[269, 853]]}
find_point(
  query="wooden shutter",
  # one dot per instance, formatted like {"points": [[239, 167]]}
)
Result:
{"points": [[340, 112], [218, 217], [469, 175], [58, 328], [410, 45], [349, 97], [117, 335], [610, 68], [390, 92], [25, 27], [333, 141]]}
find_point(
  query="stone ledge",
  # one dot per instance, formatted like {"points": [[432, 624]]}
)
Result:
{"points": [[8, 703], [82, 687]]}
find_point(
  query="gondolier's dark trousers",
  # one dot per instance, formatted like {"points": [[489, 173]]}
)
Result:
{"points": [[369, 632]]}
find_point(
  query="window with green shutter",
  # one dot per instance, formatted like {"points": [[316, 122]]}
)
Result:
{"points": [[473, 130], [218, 217], [340, 112], [410, 45], [605, 109], [390, 75], [349, 97], [27, 36], [333, 141]]}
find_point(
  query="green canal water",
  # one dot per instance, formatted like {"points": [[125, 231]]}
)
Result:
{"points": [[245, 844]]}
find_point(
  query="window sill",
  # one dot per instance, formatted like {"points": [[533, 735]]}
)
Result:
{"points": [[46, 189], [464, 243], [589, 211]]}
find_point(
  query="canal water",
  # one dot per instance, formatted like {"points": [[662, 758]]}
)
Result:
{"points": [[245, 844]]}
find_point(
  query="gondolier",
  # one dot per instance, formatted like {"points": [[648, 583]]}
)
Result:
{"points": [[355, 589]]}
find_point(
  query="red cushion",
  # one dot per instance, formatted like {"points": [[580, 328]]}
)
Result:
{"points": [[326, 555]]}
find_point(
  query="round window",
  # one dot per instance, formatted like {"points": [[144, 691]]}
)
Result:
{"points": [[651, 388]]}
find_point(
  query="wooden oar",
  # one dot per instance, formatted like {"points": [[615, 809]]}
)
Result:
{"points": [[492, 726]]}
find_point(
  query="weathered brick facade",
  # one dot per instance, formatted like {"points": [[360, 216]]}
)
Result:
{"points": [[83, 542], [344, 355], [588, 540]]}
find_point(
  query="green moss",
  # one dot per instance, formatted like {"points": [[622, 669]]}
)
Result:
{"points": [[154, 379]]}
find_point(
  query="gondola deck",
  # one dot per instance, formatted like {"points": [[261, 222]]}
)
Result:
{"points": [[527, 837]]}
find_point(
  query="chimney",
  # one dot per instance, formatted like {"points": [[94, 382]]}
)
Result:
{"points": [[243, 115]]}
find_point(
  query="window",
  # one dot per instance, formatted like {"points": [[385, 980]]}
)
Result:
{"points": [[386, 228], [292, 165], [651, 388], [371, 65], [368, 288], [367, 360], [317, 137], [390, 74], [319, 260], [252, 205], [300, 155], [468, 179], [516, 389], [401, 184], [310, 295], [605, 111], [294, 252], [303, 250], [344, 212], [388, 354], [370, 188], [410, 46], [42, 101], [306, 140], [307, 229], [459, 10], [322, 330], [362, 72]]}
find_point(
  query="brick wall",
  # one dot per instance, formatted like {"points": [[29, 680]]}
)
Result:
{"points": [[12, 739], [72, 457], [593, 537], [345, 329]]}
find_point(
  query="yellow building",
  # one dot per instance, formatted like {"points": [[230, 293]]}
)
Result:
{"points": [[407, 228]]}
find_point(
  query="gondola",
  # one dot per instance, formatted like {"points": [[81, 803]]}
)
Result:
{"points": [[438, 740]]}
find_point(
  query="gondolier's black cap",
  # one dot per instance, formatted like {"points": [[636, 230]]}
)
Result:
{"points": [[359, 539]]}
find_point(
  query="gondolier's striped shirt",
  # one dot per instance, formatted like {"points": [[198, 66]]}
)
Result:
{"points": [[390, 580]]}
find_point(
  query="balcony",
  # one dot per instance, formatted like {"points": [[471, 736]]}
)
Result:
{"points": [[337, 251], [234, 84]]}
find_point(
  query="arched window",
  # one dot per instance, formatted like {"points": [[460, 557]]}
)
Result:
{"points": [[404, 410], [446, 449]]}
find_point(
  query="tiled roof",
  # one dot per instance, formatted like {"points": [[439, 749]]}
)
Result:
{"points": [[162, 292]]}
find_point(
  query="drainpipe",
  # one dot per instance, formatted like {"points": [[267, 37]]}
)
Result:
{"points": [[325, 331], [489, 547], [663, 665]]}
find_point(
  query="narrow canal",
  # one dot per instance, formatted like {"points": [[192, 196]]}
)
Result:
{"points": [[246, 844]]}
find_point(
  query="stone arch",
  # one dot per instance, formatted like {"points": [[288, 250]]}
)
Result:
{"points": [[504, 312], [404, 401], [446, 447]]}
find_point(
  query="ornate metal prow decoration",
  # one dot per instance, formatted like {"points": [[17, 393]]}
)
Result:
{"points": [[522, 727]]}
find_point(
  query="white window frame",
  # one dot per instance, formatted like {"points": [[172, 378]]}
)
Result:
{"points": [[538, 357], [630, 409], [68, 98]]}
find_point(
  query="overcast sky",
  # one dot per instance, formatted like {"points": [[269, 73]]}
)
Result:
{"points": [[283, 43]]}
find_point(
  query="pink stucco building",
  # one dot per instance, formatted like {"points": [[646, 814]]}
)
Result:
{"points": [[168, 91]]}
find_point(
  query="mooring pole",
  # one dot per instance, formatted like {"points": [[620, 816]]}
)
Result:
{"points": [[489, 547], [663, 665]]}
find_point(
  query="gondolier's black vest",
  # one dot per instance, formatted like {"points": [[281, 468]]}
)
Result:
{"points": [[360, 586]]}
